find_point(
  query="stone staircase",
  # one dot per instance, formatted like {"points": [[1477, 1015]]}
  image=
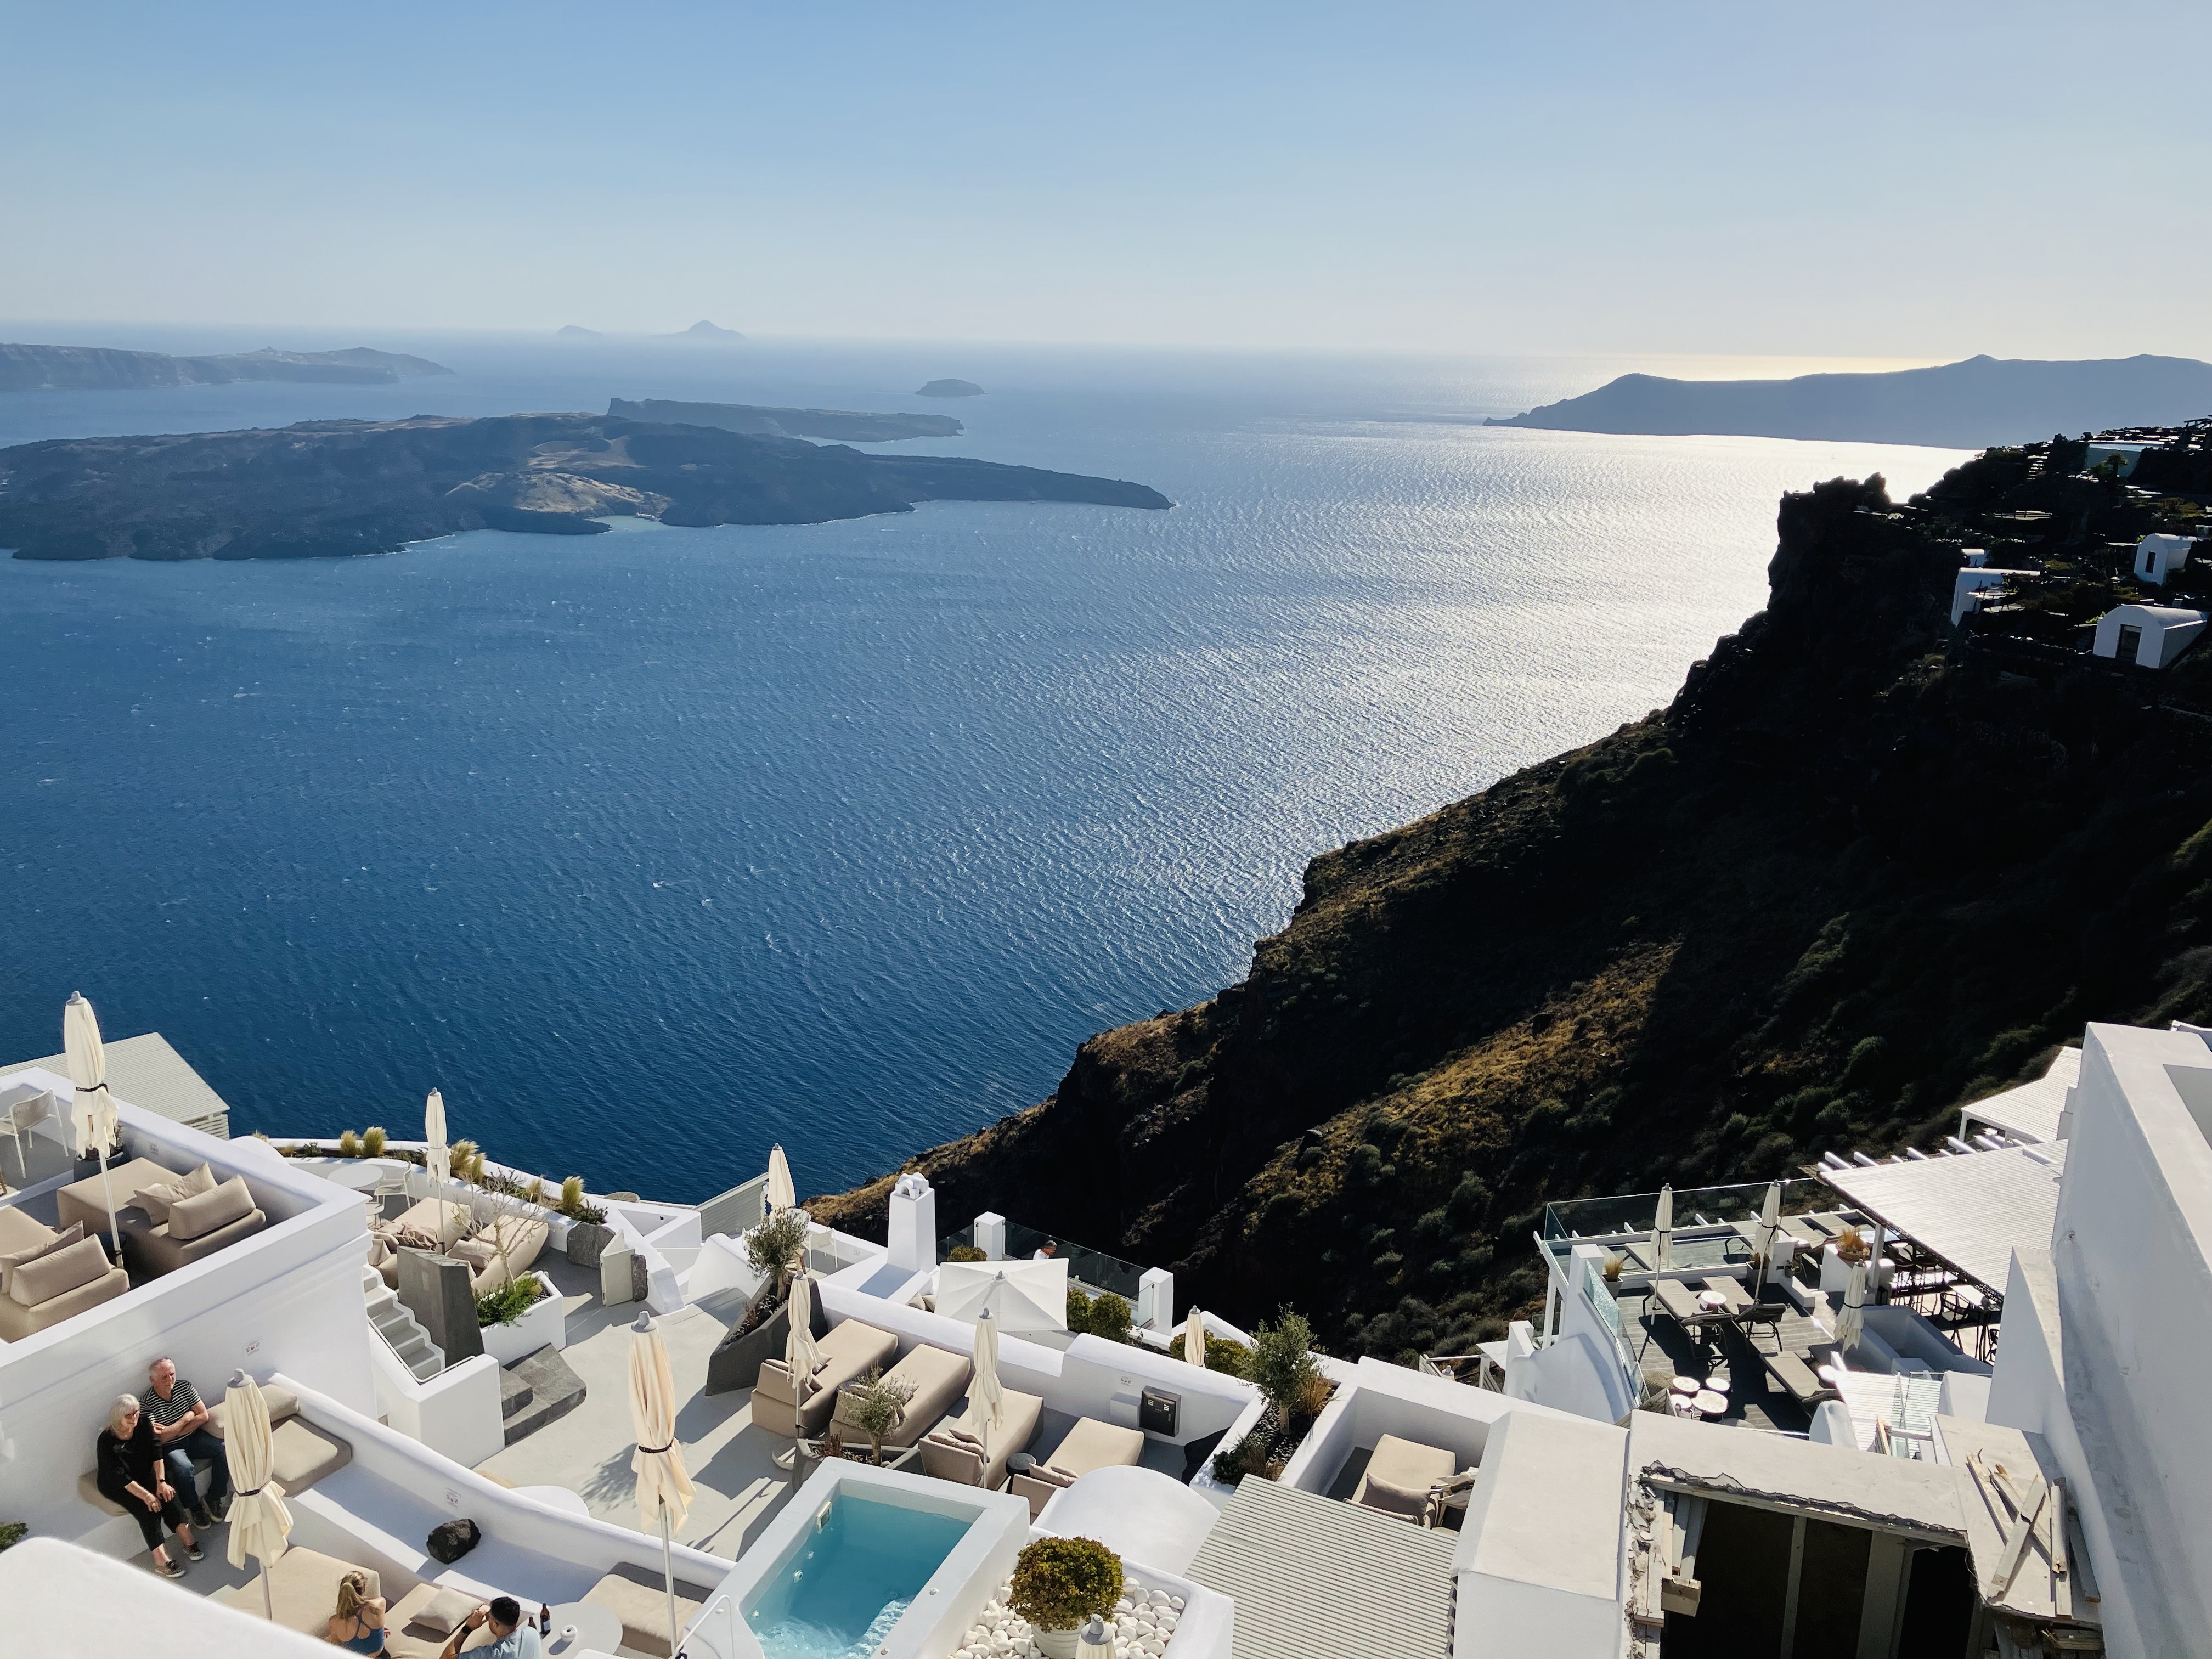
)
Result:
{"points": [[401, 1333]]}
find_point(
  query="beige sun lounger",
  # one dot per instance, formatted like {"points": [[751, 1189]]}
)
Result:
{"points": [[1088, 1445], [955, 1449], [851, 1350], [1402, 1478], [938, 1378]]}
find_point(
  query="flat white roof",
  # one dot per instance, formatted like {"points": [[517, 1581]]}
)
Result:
{"points": [[1971, 1210], [2030, 1112], [150, 1074]]}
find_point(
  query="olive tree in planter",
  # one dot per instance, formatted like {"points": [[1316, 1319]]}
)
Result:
{"points": [[775, 1248], [1058, 1582]]}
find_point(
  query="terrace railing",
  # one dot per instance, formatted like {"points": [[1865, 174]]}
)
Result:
{"points": [[1627, 1214], [1094, 1270]]}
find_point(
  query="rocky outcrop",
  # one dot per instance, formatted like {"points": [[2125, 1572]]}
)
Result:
{"points": [[101, 368], [1860, 870], [338, 487], [950, 389]]}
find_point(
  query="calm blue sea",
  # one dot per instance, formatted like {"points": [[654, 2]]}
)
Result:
{"points": [[651, 848]]}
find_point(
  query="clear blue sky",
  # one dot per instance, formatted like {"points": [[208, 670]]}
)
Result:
{"points": [[1912, 180]]}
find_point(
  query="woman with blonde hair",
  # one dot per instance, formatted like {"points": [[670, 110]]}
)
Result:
{"points": [[129, 1469], [358, 1625]]}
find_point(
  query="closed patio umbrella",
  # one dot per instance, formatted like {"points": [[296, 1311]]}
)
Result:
{"points": [[93, 1113], [780, 1195], [1194, 1340], [1770, 1229], [1851, 1324], [800, 1356], [435, 1154], [1662, 1229], [986, 1396], [1022, 1296], [663, 1486], [260, 1522]]}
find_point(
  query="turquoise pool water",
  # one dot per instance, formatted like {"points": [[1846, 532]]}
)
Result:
{"points": [[853, 1578]]}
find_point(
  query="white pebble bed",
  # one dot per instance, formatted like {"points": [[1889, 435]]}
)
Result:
{"points": [[1142, 1624]]}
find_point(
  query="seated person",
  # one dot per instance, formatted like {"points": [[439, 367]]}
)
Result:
{"points": [[511, 1637], [358, 1625], [130, 1470], [180, 1418]]}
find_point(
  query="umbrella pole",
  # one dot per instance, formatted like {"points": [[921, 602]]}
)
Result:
{"points": [[668, 1571], [268, 1601], [114, 1233]]}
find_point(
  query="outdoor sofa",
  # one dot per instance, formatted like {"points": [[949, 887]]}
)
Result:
{"points": [[938, 1378], [639, 1598], [1409, 1480], [48, 1274], [300, 1453], [1088, 1445], [851, 1350], [512, 1244], [160, 1235], [960, 1449]]}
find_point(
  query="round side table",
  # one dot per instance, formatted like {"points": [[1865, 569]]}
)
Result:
{"points": [[584, 1626]]}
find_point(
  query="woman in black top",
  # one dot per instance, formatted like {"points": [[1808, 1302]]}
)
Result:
{"points": [[129, 1472]]}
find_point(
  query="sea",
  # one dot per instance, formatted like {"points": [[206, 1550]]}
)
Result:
{"points": [[653, 848]]}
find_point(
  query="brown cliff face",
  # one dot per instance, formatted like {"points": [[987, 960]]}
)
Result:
{"points": [[1854, 874]]}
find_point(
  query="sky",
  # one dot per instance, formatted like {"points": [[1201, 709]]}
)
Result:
{"points": [[1914, 181]]}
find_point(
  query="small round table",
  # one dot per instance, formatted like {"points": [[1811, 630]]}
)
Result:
{"points": [[1717, 1384], [1685, 1385], [593, 1627], [1712, 1301], [1020, 1464], [1709, 1404]]}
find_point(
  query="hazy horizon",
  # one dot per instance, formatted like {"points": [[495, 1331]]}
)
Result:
{"points": [[1465, 181]]}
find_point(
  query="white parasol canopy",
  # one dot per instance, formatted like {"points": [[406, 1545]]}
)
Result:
{"points": [[435, 1155], [663, 1486], [1022, 1296], [780, 1195], [260, 1522], [800, 1357], [986, 1396], [1769, 1228], [98, 1126], [1194, 1340], [1851, 1324], [1662, 1229]]}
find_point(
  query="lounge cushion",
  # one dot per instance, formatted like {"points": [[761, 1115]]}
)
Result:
{"points": [[954, 1449], [31, 1252], [443, 1613], [59, 1271], [18, 1321], [19, 1229], [1412, 1502], [1090, 1444], [157, 1199], [210, 1212], [937, 1376], [86, 1200], [151, 1251], [303, 1455], [640, 1600], [303, 1587], [283, 1403], [851, 1350], [1397, 1468]]}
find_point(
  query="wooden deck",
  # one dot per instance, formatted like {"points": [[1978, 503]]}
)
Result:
{"points": [[1665, 1351]]}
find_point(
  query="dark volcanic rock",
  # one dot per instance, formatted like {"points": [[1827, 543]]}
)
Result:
{"points": [[336, 487], [843, 426], [99, 368], [1983, 400], [950, 389]]}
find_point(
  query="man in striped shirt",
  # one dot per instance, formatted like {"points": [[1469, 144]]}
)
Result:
{"points": [[180, 1418]]}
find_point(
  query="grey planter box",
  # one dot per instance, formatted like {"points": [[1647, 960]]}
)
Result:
{"points": [[736, 1361]]}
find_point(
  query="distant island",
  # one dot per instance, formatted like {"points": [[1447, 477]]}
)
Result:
{"points": [[1963, 405], [950, 389], [323, 488], [571, 331], [103, 368], [708, 332], [844, 426]]}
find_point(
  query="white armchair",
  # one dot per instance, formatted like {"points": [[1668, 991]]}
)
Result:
{"points": [[26, 1111]]}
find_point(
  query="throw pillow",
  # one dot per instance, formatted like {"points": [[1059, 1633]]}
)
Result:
{"points": [[477, 1252], [201, 1180], [59, 1272], [210, 1212], [61, 1241], [1393, 1499], [155, 1200], [445, 1612]]}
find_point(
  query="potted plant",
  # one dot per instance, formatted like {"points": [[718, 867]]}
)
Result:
{"points": [[775, 1248], [589, 1237], [875, 1406], [1058, 1582]]}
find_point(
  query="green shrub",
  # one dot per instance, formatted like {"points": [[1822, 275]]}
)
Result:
{"points": [[1060, 1582], [965, 1252], [1106, 1315], [372, 1141], [1282, 1360], [572, 1196], [509, 1302], [1228, 1356], [12, 1532]]}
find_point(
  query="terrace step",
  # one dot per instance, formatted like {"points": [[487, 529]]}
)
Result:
{"points": [[536, 1389], [401, 1331]]}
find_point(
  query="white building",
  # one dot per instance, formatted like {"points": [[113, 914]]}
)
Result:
{"points": [[1968, 587], [2147, 635], [2159, 557]]}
